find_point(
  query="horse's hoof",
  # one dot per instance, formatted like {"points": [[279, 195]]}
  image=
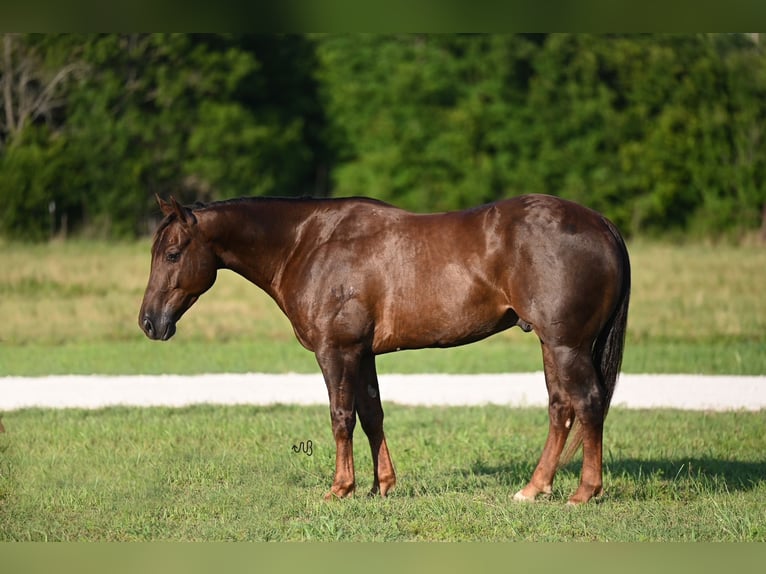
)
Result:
{"points": [[340, 493], [576, 501], [578, 498], [376, 493], [521, 497], [545, 492]]}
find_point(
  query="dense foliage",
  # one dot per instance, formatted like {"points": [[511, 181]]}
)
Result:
{"points": [[663, 133]]}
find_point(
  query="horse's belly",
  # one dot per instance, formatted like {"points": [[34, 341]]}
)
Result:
{"points": [[440, 328]]}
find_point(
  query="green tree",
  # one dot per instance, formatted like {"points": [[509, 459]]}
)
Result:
{"points": [[662, 133], [164, 114], [424, 121], [34, 85], [191, 115]]}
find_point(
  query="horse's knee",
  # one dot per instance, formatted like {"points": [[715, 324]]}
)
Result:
{"points": [[343, 423]]}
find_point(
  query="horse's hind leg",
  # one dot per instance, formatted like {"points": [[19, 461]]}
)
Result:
{"points": [[371, 416], [588, 401], [560, 419], [574, 389]]}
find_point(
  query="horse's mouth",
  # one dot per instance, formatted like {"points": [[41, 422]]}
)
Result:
{"points": [[170, 330]]}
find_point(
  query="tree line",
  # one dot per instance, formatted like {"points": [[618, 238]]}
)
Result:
{"points": [[662, 133]]}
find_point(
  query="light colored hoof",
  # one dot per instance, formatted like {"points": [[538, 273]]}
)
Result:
{"points": [[521, 497]]}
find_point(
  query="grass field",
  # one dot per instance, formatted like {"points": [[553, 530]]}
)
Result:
{"points": [[229, 473], [73, 307], [212, 473]]}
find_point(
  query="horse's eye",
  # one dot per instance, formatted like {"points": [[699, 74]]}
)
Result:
{"points": [[173, 256]]}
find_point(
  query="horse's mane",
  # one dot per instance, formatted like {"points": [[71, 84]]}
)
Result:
{"points": [[200, 205], [196, 206], [265, 199]]}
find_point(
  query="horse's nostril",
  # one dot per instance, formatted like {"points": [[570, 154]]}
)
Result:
{"points": [[148, 326]]}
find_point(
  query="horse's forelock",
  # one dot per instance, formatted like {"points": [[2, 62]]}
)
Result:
{"points": [[162, 227]]}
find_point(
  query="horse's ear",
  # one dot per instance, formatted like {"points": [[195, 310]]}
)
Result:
{"points": [[165, 206], [185, 216]]}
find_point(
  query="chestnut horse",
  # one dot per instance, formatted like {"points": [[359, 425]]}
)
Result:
{"points": [[358, 278]]}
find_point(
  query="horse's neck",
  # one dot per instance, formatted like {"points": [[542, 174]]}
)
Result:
{"points": [[254, 239]]}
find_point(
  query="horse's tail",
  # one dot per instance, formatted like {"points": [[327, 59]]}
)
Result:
{"points": [[609, 345]]}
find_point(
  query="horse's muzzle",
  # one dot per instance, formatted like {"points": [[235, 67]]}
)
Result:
{"points": [[161, 331]]}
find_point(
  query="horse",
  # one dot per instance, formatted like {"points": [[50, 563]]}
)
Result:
{"points": [[358, 278]]}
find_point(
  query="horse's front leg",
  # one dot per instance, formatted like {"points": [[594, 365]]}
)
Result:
{"points": [[340, 369], [371, 416]]}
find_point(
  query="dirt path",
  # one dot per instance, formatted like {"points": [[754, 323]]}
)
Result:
{"points": [[692, 392]]}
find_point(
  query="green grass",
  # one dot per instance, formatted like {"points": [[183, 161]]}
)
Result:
{"points": [[72, 308], [495, 355], [229, 473]]}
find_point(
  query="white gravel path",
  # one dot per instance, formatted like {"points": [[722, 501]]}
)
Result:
{"points": [[692, 392]]}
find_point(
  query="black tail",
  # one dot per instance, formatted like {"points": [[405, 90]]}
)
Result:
{"points": [[609, 346]]}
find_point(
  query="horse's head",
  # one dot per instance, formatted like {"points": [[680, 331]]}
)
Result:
{"points": [[184, 266]]}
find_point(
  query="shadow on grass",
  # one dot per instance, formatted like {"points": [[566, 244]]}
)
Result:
{"points": [[644, 478], [711, 475]]}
